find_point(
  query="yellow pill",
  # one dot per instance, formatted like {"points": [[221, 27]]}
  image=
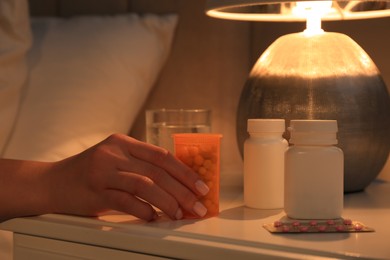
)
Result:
{"points": [[198, 160], [210, 184], [202, 170], [193, 150], [206, 149], [208, 164]]}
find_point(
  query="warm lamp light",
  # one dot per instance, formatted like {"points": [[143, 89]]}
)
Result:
{"points": [[318, 75], [283, 10]]}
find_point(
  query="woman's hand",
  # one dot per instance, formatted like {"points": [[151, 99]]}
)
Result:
{"points": [[127, 175]]}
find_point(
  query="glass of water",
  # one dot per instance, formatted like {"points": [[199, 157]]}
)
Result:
{"points": [[161, 124]]}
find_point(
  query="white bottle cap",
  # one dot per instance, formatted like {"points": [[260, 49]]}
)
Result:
{"points": [[266, 125], [322, 132]]}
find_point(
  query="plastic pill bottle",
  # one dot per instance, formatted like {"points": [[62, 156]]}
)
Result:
{"points": [[264, 164], [314, 171], [201, 152]]}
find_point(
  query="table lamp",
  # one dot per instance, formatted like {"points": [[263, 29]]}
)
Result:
{"points": [[318, 75]]}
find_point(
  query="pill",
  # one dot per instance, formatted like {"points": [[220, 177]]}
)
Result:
{"points": [[202, 170], [198, 160], [207, 164], [193, 150]]}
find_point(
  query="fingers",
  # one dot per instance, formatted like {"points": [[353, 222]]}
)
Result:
{"points": [[130, 186], [152, 174], [170, 185], [161, 158], [124, 202]]}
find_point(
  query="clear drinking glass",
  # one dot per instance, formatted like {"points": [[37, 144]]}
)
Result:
{"points": [[162, 123]]}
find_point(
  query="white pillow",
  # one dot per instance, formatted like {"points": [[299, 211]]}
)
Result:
{"points": [[89, 78], [15, 39]]}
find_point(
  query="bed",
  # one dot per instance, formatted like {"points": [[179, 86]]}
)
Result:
{"points": [[204, 65]]}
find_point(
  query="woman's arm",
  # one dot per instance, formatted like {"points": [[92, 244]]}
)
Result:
{"points": [[24, 188], [119, 173]]}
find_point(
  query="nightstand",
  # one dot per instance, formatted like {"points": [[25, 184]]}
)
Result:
{"points": [[237, 233]]}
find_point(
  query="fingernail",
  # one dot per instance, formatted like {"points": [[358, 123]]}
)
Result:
{"points": [[179, 214], [202, 187], [199, 209], [155, 216]]}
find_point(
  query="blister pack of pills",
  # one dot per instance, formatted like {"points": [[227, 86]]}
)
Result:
{"points": [[316, 226]]}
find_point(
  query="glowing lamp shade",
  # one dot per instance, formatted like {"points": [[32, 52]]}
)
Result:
{"points": [[318, 75], [285, 10]]}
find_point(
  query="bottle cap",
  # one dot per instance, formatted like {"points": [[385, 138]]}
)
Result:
{"points": [[266, 125], [313, 132]]}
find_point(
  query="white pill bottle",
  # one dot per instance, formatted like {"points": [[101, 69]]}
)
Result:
{"points": [[264, 164], [314, 171]]}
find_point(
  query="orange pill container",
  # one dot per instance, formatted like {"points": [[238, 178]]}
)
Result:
{"points": [[201, 152]]}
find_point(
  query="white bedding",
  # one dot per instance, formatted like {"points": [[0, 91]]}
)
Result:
{"points": [[89, 77]]}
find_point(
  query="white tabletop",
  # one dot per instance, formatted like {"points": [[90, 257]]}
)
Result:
{"points": [[236, 232]]}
